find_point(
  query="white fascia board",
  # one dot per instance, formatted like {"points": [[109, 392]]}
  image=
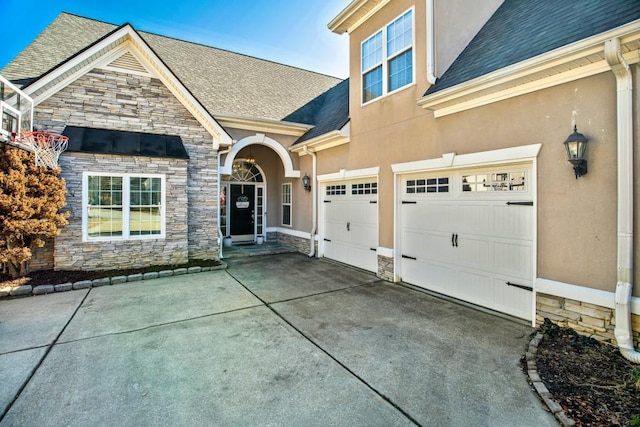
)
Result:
{"points": [[385, 252], [582, 294], [101, 51], [263, 125], [323, 142], [470, 94], [344, 174], [356, 13], [451, 160]]}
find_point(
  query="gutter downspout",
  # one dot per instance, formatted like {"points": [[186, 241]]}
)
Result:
{"points": [[220, 235], [431, 43], [623, 330], [314, 208]]}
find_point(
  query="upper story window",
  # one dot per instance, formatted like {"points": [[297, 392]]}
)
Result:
{"points": [[387, 58]]}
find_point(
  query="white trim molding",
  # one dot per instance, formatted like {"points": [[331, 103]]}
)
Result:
{"points": [[574, 61], [581, 293], [290, 232], [344, 174], [260, 139], [356, 13], [385, 252], [324, 142], [263, 125], [484, 158], [102, 53]]}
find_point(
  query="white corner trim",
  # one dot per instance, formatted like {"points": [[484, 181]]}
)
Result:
{"points": [[260, 139], [323, 142], [451, 160], [581, 293], [385, 252], [344, 174]]}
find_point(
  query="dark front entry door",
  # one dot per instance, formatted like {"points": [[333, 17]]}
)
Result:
{"points": [[242, 211]]}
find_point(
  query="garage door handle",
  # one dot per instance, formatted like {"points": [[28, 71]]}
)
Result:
{"points": [[526, 288], [454, 240], [409, 257], [520, 203], [348, 226], [327, 240]]}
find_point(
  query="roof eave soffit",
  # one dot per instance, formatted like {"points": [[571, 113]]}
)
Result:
{"points": [[571, 62], [102, 55], [356, 13], [324, 142]]}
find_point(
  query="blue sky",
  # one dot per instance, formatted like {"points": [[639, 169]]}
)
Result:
{"points": [[292, 32]]}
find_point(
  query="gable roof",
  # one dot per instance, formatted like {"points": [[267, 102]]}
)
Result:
{"points": [[522, 29], [225, 83]]}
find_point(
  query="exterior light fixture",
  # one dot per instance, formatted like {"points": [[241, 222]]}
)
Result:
{"points": [[250, 159], [576, 145], [306, 182]]}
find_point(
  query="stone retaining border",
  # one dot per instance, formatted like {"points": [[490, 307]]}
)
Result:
{"points": [[25, 290], [541, 389]]}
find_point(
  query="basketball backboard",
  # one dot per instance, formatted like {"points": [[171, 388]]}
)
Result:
{"points": [[16, 110]]}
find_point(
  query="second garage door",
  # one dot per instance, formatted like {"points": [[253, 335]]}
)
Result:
{"points": [[469, 234], [350, 211]]}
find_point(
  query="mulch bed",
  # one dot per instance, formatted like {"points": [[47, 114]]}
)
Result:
{"points": [[591, 380], [51, 277]]}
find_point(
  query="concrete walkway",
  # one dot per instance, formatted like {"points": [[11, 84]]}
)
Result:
{"points": [[276, 340]]}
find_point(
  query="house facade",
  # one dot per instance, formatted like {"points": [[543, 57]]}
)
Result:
{"points": [[440, 162]]}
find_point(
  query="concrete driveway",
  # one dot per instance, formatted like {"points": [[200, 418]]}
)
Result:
{"points": [[276, 340]]}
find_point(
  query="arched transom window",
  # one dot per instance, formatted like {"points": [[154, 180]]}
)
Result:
{"points": [[245, 172]]}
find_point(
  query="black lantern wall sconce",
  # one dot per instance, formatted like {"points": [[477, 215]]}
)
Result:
{"points": [[306, 182], [576, 145]]}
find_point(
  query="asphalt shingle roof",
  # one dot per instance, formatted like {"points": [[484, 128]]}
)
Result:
{"points": [[523, 29], [328, 112], [225, 83]]}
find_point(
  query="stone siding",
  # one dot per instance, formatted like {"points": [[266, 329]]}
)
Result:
{"points": [[301, 244], [71, 253], [112, 100], [587, 319], [385, 268]]}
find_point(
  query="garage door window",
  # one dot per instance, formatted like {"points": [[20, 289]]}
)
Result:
{"points": [[336, 190], [364, 188], [428, 185], [499, 181]]}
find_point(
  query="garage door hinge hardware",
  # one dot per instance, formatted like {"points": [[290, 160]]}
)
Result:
{"points": [[409, 257], [373, 249], [373, 201], [526, 288], [520, 203], [327, 240], [409, 202], [327, 201]]}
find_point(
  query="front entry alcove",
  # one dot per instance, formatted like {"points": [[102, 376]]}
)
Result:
{"points": [[243, 201]]}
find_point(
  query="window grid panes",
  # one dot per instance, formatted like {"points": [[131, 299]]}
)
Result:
{"points": [[105, 206], [427, 185], [145, 197], [387, 58], [364, 188], [336, 190], [286, 204], [496, 181], [123, 206], [260, 211]]}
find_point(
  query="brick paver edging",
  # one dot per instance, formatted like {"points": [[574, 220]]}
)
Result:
{"points": [[115, 280], [542, 390]]}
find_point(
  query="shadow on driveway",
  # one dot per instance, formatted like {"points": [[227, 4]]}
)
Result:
{"points": [[277, 340]]}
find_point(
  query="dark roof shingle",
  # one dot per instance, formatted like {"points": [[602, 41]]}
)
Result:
{"points": [[523, 29]]}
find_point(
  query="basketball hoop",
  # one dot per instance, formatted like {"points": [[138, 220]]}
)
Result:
{"points": [[46, 146]]}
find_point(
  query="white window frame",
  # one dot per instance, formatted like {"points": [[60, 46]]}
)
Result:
{"points": [[386, 59], [126, 207], [285, 203]]}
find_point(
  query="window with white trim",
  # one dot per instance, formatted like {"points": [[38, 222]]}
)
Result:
{"points": [[286, 204], [428, 185], [123, 206], [387, 58]]}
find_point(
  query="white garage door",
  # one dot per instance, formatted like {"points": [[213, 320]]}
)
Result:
{"points": [[469, 235], [351, 223]]}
